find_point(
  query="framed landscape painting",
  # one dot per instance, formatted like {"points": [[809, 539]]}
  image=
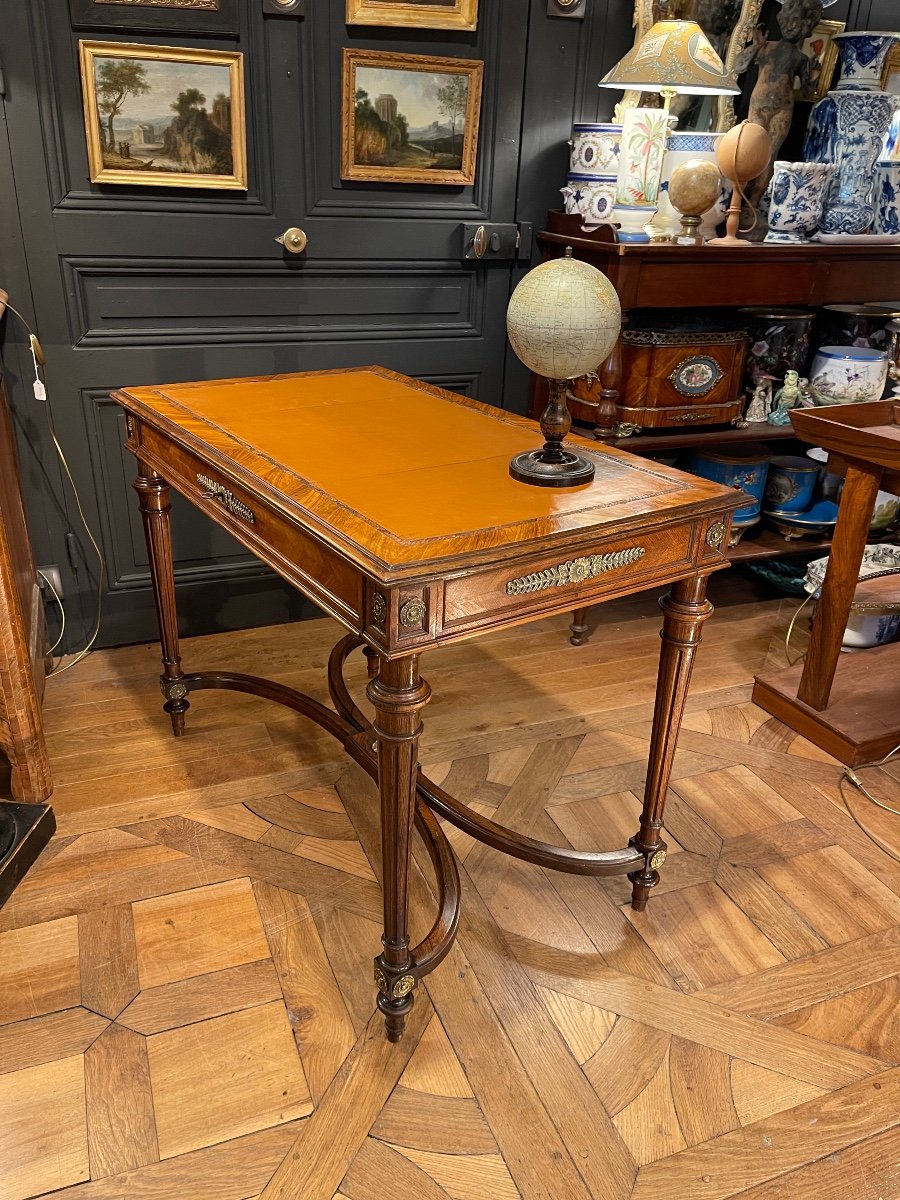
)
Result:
{"points": [[164, 116], [163, 16], [414, 14], [409, 119]]}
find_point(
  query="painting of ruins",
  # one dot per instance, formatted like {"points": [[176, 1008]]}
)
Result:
{"points": [[410, 119], [163, 116]]}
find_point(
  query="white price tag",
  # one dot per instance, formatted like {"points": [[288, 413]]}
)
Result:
{"points": [[40, 392]]}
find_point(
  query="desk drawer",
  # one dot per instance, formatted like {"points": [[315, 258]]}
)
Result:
{"points": [[317, 571], [555, 582]]}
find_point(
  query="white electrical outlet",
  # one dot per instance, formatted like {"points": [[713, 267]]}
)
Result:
{"points": [[55, 578]]}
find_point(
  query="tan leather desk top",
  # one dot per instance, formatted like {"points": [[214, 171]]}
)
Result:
{"points": [[403, 473]]}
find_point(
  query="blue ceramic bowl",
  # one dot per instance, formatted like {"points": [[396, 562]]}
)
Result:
{"points": [[791, 483], [741, 467]]}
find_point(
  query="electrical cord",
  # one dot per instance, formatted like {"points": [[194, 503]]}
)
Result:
{"points": [[40, 394], [850, 775], [62, 611]]}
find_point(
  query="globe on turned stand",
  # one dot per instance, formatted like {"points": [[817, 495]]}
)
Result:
{"points": [[563, 321]]}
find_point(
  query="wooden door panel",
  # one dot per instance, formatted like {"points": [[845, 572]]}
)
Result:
{"points": [[139, 285]]}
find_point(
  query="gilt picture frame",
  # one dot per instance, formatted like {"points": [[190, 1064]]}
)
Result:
{"points": [[414, 14], [164, 116], [409, 118], [209, 17], [890, 74], [821, 47]]}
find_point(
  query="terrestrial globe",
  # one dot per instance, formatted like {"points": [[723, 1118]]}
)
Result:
{"points": [[563, 321]]}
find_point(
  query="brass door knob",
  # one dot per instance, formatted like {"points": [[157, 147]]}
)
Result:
{"points": [[480, 242], [294, 240]]}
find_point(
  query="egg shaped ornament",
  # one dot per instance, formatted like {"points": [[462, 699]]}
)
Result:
{"points": [[564, 318], [744, 152], [563, 321]]}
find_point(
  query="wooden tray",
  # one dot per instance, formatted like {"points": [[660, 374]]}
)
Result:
{"points": [[868, 431]]}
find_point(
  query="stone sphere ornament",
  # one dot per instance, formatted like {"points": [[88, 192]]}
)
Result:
{"points": [[693, 190], [563, 321]]}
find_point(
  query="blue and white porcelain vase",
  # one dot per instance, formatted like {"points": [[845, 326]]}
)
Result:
{"points": [[886, 198], [848, 128], [795, 197], [681, 146]]}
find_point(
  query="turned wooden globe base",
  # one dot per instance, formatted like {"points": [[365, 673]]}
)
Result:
{"points": [[553, 466]]}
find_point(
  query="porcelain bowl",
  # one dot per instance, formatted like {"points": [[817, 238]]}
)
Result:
{"points": [[868, 624], [815, 521], [848, 374]]}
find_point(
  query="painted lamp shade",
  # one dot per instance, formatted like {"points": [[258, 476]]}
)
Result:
{"points": [[672, 57], [564, 319]]}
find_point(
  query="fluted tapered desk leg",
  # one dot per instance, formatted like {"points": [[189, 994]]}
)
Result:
{"points": [[153, 493], [684, 611], [398, 694]]}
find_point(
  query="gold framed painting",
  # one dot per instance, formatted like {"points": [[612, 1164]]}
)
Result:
{"points": [[890, 74], [821, 48], [414, 14], [164, 116], [407, 118]]}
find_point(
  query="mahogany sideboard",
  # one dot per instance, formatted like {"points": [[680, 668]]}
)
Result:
{"points": [[666, 276], [413, 535]]}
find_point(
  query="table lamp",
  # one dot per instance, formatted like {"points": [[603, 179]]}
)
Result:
{"points": [[672, 58], [563, 321]]}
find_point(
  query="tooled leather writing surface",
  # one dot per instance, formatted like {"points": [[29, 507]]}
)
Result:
{"points": [[415, 469]]}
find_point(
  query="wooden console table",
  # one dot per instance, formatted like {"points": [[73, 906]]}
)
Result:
{"points": [[665, 276], [851, 708], [413, 535]]}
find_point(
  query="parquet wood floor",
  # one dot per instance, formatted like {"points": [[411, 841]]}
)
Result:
{"points": [[186, 1006]]}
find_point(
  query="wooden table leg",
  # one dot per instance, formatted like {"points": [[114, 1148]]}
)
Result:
{"points": [[847, 548], [153, 493], [684, 611], [579, 626], [398, 694]]}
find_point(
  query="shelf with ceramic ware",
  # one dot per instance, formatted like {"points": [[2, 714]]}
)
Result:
{"points": [[660, 275]]}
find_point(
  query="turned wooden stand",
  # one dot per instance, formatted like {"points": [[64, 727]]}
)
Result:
{"points": [[414, 536], [849, 705]]}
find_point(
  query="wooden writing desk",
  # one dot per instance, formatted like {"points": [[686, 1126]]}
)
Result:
{"points": [[411, 533]]}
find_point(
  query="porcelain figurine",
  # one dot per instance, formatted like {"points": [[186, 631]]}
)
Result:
{"points": [[796, 197], [786, 398], [849, 127], [761, 404], [807, 395], [886, 198], [779, 64]]}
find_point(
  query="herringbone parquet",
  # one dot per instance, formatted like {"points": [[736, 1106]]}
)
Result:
{"points": [[185, 978]]}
